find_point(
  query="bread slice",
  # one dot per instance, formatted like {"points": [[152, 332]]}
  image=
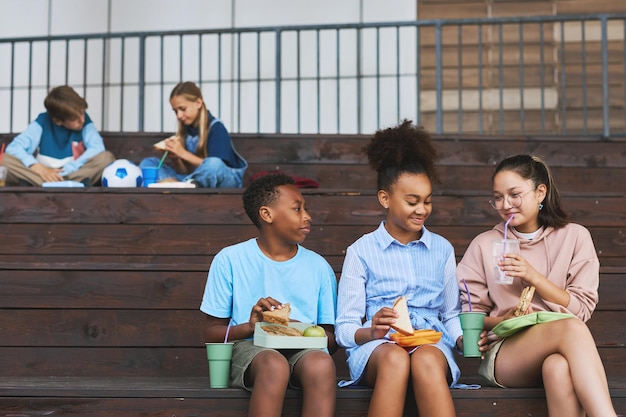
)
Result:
{"points": [[278, 315], [524, 301], [160, 145], [403, 323], [280, 330]]}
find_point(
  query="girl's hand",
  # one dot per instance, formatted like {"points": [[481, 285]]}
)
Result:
{"points": [[381, 322], [487, 341], [459, 343], [174, 146], [517, 266]]}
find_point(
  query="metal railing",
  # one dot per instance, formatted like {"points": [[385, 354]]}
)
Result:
{"points": [[526, 75]]}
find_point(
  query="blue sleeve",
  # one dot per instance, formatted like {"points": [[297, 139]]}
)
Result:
{"points": [[217, 300], [94, 144], [451, 306], [24, 145], [328, 297], [350, 299]]}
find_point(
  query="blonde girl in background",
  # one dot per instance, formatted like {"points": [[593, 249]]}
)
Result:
{"points": [[202, 150]]}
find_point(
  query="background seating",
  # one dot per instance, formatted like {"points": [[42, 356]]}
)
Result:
{"points": [[100, 288]]}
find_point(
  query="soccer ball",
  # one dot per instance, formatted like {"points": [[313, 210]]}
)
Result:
{"points": [[122, 174]]}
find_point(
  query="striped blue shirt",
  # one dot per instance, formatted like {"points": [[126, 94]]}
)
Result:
{"points": [[378, 269]]}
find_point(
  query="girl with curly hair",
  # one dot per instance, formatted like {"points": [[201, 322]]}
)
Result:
{"points": [[401, 258]]}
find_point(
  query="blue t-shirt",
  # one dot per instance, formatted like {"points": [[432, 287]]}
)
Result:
{"points": [[242, 273]]}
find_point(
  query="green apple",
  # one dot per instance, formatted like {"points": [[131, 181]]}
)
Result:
{"points": [[314, 331]]}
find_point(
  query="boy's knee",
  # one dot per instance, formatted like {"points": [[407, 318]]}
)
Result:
{"points": [[317, 364], [270, 363]]}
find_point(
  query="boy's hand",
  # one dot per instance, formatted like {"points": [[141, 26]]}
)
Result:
{"points": [[47, 174], [264, 304]]}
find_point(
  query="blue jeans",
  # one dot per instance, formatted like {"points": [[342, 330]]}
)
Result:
{"points": [[212, 173]]}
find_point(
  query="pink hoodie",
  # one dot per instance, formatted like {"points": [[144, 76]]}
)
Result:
{"points": [[566, 256]]}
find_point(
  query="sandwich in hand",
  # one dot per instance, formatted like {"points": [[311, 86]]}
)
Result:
{"points": [[524, 301], [279, 318], [403, 323], [160, 145], [278, 315], [406, 336]]}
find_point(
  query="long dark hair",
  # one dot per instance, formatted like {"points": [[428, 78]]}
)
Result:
{"points": [[536, 170], [405, 148]]}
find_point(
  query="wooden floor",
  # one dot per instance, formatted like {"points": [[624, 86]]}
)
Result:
{"points": [[100, 288]]}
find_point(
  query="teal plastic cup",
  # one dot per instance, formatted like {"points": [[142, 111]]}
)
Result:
{"points": [[219, 356], [472, 324], [150, 175]]}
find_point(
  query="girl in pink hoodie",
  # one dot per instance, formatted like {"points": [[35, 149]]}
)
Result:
{"points": [[558, 258]]}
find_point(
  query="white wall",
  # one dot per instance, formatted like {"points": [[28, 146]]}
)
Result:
{"points": [[20, 18]]}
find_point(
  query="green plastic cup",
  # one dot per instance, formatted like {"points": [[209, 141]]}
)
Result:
{"points": [[219, 355], [472, 324]]}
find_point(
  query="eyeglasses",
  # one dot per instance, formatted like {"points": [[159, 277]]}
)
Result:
{"points": [[514, 200]]}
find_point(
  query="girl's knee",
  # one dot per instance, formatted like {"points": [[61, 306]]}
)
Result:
{"points": [[555, 368], [389, 362], [428, 362], [393, 356], [212, 163]]}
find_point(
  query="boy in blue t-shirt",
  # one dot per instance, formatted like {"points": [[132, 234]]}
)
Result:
{"points": [[61, 144], [259, 275]]}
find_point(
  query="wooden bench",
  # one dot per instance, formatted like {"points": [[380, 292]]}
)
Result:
{"points": [[100, 288]]}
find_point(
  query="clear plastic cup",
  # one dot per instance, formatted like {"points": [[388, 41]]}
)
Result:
{"points": [[498, 249]]}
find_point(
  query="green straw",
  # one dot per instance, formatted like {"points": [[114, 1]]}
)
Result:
{"points": [[162, 159]]}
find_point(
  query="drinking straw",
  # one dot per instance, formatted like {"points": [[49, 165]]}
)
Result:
{"points": [[506, 228], [230, 322], [162, 159], [506, 225], [1, 152], [469, 301]]}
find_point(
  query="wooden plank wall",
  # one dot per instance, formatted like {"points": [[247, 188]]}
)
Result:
{"points": [[100, 288]]}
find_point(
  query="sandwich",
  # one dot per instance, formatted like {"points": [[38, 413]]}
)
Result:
{"points": [[524, 301], [160, 145], [403, 323], [280, 330], [279, 322], [278, 315]]}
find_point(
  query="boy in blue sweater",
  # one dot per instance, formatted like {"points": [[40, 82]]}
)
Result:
{"points": [[61, 144]]}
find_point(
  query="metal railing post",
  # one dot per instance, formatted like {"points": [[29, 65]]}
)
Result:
{"points": [[142, 83], [605, 77], [278, 77], [438, 78]]}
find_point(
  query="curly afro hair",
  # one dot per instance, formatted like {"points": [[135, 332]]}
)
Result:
{"points": [[405, 148], [263, 192]]}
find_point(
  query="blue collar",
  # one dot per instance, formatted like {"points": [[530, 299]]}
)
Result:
{"points": [[385, 240]]}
